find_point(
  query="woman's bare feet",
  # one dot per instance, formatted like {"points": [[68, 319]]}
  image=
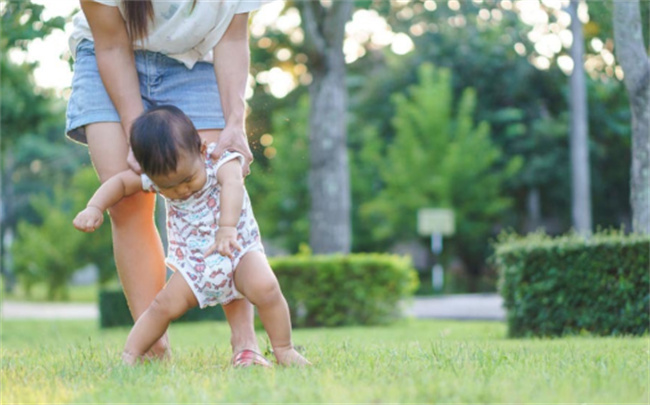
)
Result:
{"points": [[290, 357]]}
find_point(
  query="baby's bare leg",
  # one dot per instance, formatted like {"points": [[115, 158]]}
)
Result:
{"points": [[170, 303], [255, 280]]}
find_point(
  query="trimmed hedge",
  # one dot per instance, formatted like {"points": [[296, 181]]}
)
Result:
{"points": [[337, 290], [569, 285], [114, 311], [357, 289]]}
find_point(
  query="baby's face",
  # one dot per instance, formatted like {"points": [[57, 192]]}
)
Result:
{"points": [[188, 178]]}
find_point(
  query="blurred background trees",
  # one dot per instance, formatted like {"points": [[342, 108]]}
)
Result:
{"points": [[457, 104], [44, 178], [632, 50]]}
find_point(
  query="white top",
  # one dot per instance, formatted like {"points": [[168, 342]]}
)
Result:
{"points": [[178, 31]]}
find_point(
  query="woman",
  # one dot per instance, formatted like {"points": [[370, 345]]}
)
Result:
{"points": [[129, 57]]}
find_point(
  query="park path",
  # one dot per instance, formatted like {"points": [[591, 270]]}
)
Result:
{"points": [[48, 310], [459, 306]]}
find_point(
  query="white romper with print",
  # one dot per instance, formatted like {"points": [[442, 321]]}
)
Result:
{"points": [[191, 228]]}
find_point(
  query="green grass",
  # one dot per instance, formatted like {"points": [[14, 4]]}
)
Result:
{"points": [[412, 361]]}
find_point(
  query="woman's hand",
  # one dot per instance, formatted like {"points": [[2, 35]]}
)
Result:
{"points": [[133, 163], [89, 219], [235, 140], [225, 242]]}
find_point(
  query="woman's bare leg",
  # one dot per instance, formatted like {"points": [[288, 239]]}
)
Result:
{"points": [[137, 247], [239, 313]]}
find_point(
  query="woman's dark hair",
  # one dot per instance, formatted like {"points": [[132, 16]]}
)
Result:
{"points": [[159, 136], [137, 14]]}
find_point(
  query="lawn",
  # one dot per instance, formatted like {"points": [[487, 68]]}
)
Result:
{"points": [[412, 361]]}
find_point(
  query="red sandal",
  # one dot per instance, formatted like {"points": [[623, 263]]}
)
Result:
{"points": [[247, 358]]}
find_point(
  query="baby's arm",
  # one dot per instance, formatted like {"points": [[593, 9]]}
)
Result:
{"points": [[231, 200], [108, 194]]}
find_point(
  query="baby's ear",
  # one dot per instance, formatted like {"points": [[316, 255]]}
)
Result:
{"points": [[204, 147]]}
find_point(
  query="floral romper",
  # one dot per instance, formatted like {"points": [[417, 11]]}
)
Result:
{"points": [[191, 228]]}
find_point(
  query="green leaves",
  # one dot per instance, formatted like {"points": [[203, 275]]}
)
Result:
{"points": [[569, 285], [23, 108], [336, 290], [22, 21], [47, 252], [440, 158]]}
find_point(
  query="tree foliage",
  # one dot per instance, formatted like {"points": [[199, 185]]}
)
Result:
{"points": [[280, 192], [48, 252], [24, 109], [440, 158]]}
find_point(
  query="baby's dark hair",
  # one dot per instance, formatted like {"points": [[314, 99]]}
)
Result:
{"points": [[159, 135]]}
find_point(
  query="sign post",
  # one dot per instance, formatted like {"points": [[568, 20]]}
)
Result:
{"points": [[436, 222]]}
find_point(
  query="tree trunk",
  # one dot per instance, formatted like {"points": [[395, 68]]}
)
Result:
{"points": [[581, 195], [631, 54], [329, 178]]}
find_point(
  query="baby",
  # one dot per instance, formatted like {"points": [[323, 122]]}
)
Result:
{"points": [[214, 247]]}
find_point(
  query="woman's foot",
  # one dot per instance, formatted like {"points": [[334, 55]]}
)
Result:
{"points": [[290, 357]]}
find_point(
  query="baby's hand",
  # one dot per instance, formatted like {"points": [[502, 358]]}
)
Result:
{"points": [[225, 243], [89, 219]]}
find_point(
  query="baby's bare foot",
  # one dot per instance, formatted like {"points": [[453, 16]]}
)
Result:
{"points": [[290, 357], [130, 359]]}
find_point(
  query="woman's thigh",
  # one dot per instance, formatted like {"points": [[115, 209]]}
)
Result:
{"points": [[108, 148]]}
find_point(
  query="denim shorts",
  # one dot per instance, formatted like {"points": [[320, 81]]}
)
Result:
{"points": [[163, 80]]}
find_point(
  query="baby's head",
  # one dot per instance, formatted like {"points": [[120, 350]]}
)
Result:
{"points": [[160, 137], [168, 149]]}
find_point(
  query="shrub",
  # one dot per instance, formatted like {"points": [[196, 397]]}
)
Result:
{"points": [[335, 290], [46, 253], [114, 311], [568, 285], [359, 289]]}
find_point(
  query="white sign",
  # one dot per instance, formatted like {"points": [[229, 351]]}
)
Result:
{"points": [[436, 220]]}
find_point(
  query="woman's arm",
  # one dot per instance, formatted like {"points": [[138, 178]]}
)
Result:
{"points": [[121, 185], [115, 60], [231, 64]]}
